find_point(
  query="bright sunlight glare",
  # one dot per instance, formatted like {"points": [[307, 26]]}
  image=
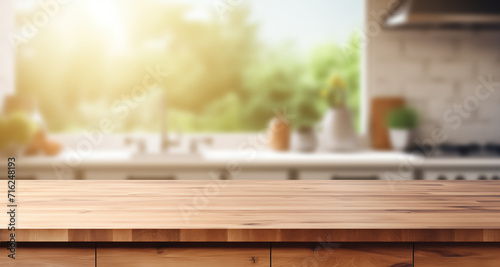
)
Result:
{"points": [[105, 15]]}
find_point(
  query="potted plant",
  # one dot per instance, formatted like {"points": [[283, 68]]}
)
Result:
{"points": [[305, 116], [402, 122], [337, 126]]}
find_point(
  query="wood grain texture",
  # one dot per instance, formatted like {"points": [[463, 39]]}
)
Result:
{"points": [[379, 132], [256, 211], [457, 255], [326, 254], [184, 255], [50, 255]]}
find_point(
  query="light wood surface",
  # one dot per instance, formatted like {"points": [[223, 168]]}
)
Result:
{"points": [[184, 255], [457, 255], [256, 211], [342, 254], [50, 255]]}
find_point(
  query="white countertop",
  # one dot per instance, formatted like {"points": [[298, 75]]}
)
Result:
{"points": [[251, 159]]}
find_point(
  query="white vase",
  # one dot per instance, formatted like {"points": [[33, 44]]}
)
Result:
{"points": [[400, 138], [338, 130]]}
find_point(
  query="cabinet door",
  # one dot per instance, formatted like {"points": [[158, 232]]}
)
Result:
{"points": [[151, 175], [22, 174], [50, 255], [260, 175], [342, 254], [457, 254], [183, 255], [339, 175]]}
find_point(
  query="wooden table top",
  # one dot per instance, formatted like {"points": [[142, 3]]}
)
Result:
{"points": [[247, 211]]}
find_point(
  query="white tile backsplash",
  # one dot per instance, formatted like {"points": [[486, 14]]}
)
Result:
{"points": [[428, 89], [427, 47], [462, 70], [387, 88], [434, 69], [389, 49], [399, 71]]}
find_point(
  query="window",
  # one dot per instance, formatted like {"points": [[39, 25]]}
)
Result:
{"points": [[217, 66]]}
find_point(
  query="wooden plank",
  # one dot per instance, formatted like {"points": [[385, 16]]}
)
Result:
{"points": [[256, 211], [53, 255], [268, 235], [329, 254], [183, 255], [457, 254]]}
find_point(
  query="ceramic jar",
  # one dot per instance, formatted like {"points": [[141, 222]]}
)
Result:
{"points": [[337, 130]]}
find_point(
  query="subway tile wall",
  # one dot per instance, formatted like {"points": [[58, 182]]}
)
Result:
{"points": [[436, 70]]}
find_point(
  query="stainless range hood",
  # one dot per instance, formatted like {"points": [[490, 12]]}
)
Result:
{"points": [[445, 13]]}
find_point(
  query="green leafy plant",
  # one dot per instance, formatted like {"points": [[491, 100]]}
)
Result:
{"points": [[335, 93], [402, 118]]}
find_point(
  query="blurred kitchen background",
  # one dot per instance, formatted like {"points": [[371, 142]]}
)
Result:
{"points": [[251, 89]]}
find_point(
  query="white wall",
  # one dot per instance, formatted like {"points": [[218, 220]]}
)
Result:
{"points": [[434, 70], [7, 76]]}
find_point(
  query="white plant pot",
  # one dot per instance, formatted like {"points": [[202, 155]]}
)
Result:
{"points": [[338, 130], [400, 138], [304, 141]]}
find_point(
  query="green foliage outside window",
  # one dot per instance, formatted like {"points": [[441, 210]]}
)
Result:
{"points": [[221, 77]]}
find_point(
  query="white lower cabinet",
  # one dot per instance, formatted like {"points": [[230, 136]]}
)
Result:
{"points": [[186, 175], [44, 175], [150, 175], [461, 175], [340, 175], [259, 175]]}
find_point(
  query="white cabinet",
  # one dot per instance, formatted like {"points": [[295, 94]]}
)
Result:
{"points": [[340, 175], [22, 174], [185, 175], [461, 175], [151, 175], [260, 175]]}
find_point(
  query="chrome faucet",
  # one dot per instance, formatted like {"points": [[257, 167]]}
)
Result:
{"points": [[166, 142]]}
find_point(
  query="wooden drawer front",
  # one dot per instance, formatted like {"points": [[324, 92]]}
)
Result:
{"points": [[342, 254], [50, 255], [184, 255], [457, 254]]}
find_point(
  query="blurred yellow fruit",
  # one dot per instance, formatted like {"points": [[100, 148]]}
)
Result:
{"points": [[20, 128], [4, 138], [337, 82]]}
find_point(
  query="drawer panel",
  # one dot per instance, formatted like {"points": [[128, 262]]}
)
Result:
{"points": [[342, 254], [50, 255], [457, 254], [184, 255]]}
